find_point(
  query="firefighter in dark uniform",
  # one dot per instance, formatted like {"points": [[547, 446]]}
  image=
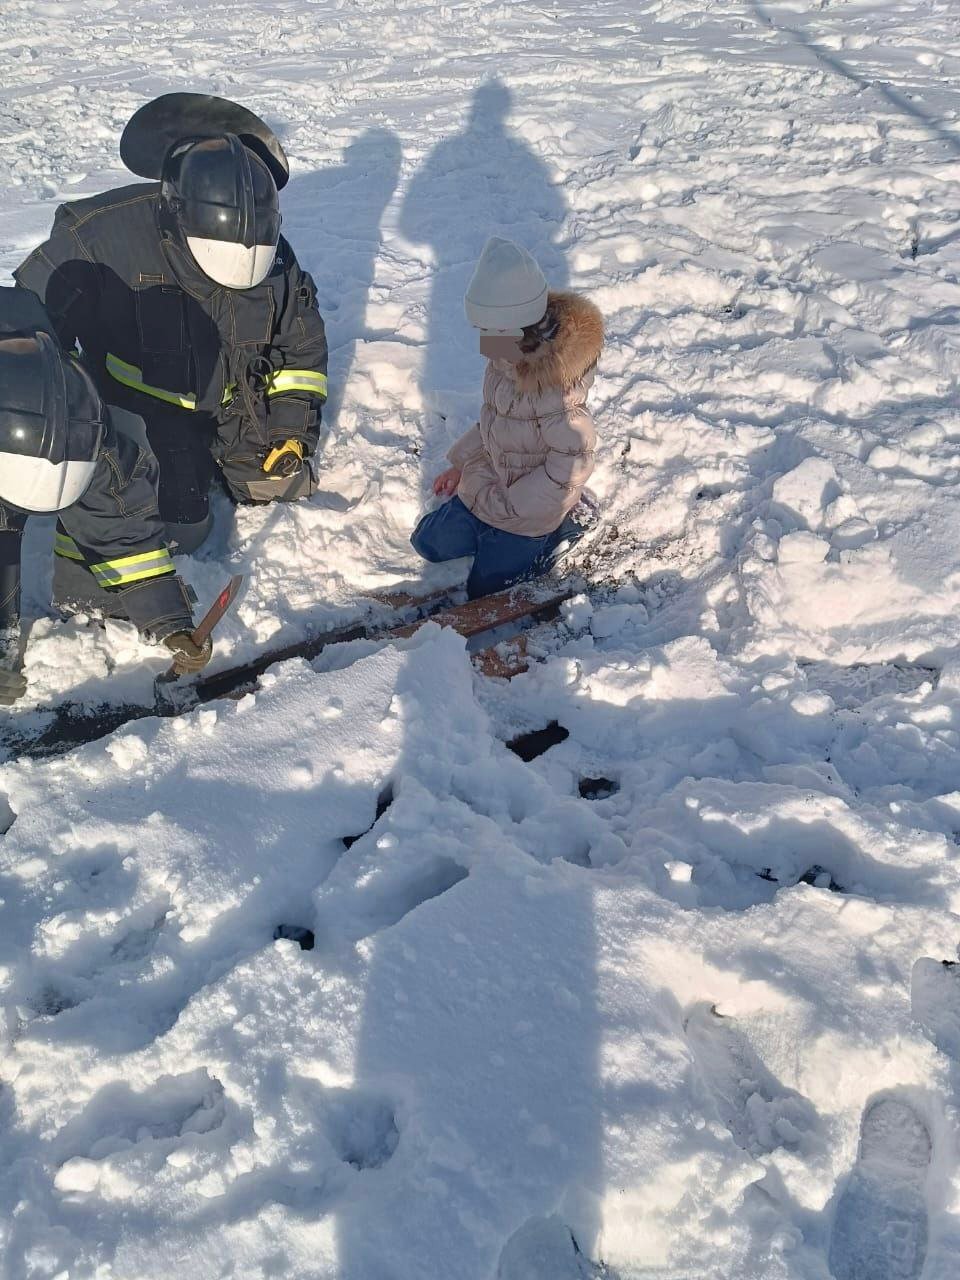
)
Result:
{"points": [[190, 308], [61, 451]]}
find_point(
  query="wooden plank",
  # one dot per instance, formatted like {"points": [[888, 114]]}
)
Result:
{"points": [[504, 661], [498, 610]]}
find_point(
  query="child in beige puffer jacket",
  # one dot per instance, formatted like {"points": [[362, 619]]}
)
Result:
{"points": [[519, 472]]}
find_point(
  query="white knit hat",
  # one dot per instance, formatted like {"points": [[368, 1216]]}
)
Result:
{"points": [[508, 290]]}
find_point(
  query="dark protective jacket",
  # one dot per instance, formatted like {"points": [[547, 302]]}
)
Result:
{"points": [[215, 373], [114, 530], [116, 533]]}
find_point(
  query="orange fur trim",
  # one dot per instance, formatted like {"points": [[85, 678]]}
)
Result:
{"points": [[575, 349]]}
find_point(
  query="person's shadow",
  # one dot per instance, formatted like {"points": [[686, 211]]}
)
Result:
{"points": [[332, 218], [481, 182]]}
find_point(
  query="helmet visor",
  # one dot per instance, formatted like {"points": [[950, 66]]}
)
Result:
{"points": [[34, 484], [230, 223], [51, 425], [221, 191]]}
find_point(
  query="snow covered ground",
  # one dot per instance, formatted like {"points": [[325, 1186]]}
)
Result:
{"points": [[693, 1016]]}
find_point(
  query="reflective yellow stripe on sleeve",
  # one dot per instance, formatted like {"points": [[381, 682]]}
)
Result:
{"points": [[286, 380], [65, 546], [297, 380], [130, 376], [124, 570]]}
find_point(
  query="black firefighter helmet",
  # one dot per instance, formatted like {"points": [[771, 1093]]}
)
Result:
{"points": [[220, 168], [51, 417]]}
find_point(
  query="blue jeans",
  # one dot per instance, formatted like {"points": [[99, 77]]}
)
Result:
{"points": [[499, 558]]}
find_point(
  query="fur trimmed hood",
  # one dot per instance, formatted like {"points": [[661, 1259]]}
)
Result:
{"points": [[575, 348]]}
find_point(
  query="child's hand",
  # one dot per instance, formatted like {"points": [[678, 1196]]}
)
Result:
{"points": [[445, 485]]}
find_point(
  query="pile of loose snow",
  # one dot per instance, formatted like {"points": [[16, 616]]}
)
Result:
{"points": [[669, 999]]}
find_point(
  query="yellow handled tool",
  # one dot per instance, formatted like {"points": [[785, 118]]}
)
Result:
{"points": [[284, 459]]}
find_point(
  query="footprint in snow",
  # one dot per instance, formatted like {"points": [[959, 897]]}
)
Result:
{"points": [[759, 1112], [69, 984], [362, 1128], [118, 1121], [880, 1226], [935, 1002]]}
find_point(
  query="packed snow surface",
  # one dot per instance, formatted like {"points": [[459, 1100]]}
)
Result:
{"points": [[669, 1000]]}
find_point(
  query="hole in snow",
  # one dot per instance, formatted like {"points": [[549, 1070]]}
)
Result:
{"points": [[295, 933], [362, 1128], [821, 878], [817, 876], [708, 491], [598, 788], [528, 746]]}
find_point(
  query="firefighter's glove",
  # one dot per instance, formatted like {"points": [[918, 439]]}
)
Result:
{"points": [[284, 459], [13, 685], [188, 657]]}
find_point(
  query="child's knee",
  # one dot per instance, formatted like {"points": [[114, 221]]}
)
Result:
{"points": [[425, 541], [422, 545]]}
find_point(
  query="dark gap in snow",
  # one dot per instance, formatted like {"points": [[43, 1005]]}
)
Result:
{"points": [[821, 878], [598, 788], [295, 933], [528, 746], [817, 876], [579, 857], [384, 801], [7, 815]]}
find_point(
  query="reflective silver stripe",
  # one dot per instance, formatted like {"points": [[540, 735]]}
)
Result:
{"points": [[132, 377], [108, 577], [150, 564]]}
